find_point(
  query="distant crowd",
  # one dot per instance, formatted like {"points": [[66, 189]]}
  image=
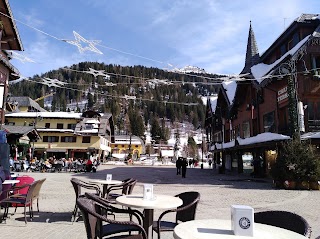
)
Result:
{"points": [[53, 164]]}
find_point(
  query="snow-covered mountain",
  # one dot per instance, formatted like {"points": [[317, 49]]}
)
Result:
{"points": [[190, 69]]}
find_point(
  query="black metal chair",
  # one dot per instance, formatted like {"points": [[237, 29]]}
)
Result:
{"points": [[77, 185], [117, 190], [185, 212], [284, 219], [98, 225]]}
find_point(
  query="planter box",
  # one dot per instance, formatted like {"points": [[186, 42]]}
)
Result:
{"points": [[288, 184], [314, 185], [278, 184], [304, 185]]}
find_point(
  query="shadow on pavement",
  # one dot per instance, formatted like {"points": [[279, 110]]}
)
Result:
{"points": [[167, 175]]}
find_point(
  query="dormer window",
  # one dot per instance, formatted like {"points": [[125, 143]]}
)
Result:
{"points": [[316, 65]]}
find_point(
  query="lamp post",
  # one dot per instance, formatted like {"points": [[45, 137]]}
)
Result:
{"points": [[202, 150]]}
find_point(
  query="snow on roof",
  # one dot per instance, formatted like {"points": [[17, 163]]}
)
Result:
{"points": [[213, 102], [46, 115], [204, 100], [91, 131], [260, 138], [224, 145], [263, 137], [311, 135], [230, 88], [92, 121], [260, 70]]}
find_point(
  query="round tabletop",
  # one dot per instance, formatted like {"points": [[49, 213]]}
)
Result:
{"points": [[109, 182], [215, 228], [158, 202]]}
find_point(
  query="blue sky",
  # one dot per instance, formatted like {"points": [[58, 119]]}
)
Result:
{"points": [[210, 34]]}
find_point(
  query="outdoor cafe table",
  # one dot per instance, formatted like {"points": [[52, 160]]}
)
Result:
{"points": [[216, 228], [105, 184], [158, 202]]}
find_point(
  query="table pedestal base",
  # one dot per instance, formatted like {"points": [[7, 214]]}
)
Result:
{"points": [[148, 221]]}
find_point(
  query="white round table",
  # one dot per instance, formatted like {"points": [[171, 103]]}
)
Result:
{"points": [[11, 181], [105, 184], [158, 202], [216, 228]]}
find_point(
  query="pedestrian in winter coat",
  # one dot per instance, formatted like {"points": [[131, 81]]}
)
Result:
{"points": [[184, 166], [178, 165]]}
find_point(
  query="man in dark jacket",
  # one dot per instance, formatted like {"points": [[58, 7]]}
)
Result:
{"points": [[178, 165], [184, 166]]}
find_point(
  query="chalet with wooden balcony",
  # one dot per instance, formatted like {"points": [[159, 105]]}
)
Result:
{"points": [[276, 98]]}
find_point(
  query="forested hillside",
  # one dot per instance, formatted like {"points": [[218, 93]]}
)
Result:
{"points": [[128, 92]]}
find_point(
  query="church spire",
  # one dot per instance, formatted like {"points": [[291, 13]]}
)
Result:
{"points": [[252, 54]]}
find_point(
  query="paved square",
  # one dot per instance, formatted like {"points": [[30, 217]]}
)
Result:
{"points": [[218, 193]]}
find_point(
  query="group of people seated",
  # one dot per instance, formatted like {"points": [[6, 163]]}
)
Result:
{"points": [[51, 164]]}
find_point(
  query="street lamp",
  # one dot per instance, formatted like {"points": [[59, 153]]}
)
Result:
{"points": [[202, 149]]}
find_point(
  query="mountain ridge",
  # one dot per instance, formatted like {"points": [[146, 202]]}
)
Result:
{"points": [[148, 91]]}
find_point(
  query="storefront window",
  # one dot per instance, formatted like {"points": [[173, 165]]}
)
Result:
{"points": [[247, 163], [246, 129], [268, 122]]}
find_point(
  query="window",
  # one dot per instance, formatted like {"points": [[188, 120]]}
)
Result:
{"points": [[47, 126], [86, 139], [50, 139], [89, 126], [283, 50], [313, 110], [69, 139], [246, 129], [59, 126], [316, 65], [71, 126], [268, 122], [294, 41]]}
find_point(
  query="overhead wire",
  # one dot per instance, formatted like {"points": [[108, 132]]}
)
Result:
{"points": [[126, 97], [217, 80]]}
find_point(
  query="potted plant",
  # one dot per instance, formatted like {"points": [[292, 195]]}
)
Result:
{"points": [[314, 183], [297, 166]]}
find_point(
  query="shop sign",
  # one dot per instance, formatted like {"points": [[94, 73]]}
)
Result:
{"points": [[282, 94]]}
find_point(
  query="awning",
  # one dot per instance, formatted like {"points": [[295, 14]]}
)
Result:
{"points": [[57, 150], [260, 140]]}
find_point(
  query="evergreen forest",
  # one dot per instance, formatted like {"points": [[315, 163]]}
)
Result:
{"points": [[135, 95]]}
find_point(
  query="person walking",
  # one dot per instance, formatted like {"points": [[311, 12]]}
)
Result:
{"points": [[178, 165], [184, 166]]}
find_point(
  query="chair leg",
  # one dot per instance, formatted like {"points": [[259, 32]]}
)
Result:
{"points": [[74, 214], [38, 204], [25, 216], [5, 213], [30, 212]]}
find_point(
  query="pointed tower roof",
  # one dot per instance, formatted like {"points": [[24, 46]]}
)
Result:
{"points": [[252, 54]]}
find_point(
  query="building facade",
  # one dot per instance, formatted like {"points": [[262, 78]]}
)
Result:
{"points": [[127, 144], [68, 134], [10, 41], [275, 98]]}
